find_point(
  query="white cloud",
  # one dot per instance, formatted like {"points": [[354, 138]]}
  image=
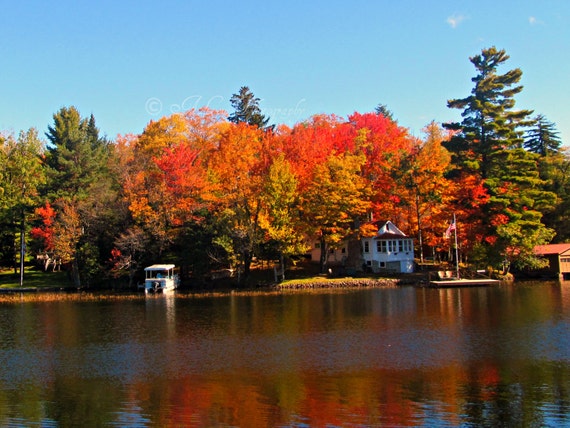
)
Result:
{"points": [[455, 19], [533, 20]]}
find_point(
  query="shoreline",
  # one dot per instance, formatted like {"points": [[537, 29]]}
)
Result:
{"points": [[49, 294], [339, 283]]}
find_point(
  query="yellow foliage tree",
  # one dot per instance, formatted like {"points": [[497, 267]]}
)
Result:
{"points": [[337, 196]]}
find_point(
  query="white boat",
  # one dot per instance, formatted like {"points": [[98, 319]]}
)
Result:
{"points": [[161, 278]]}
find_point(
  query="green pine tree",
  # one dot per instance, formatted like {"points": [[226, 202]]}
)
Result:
{"points": [[489, 143], [76, 156], [542, 137], [83, 190], [384, 110], [246, 109], [555, 171], [490, 123]]}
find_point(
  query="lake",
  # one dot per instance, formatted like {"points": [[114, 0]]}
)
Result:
{"points": [[482, 356]]}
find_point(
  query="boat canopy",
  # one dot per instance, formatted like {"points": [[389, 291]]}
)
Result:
{"points": [[159, 267], [159, 271]]}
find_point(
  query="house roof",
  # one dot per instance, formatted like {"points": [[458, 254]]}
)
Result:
{"points": [[390, 236], [543, 250], [388, 230]]}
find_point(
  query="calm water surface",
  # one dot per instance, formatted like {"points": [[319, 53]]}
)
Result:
{"points": [[489, 356]]}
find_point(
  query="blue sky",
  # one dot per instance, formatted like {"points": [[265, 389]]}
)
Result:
{"points": [[130, 62]]}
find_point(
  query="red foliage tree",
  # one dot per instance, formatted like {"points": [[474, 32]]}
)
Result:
{"points": [[45, 232]]}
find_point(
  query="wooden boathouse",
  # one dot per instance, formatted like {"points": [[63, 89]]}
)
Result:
{"points": [[558, 256]]}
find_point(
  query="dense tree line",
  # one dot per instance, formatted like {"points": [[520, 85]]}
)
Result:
{"points": [[208, 190]]}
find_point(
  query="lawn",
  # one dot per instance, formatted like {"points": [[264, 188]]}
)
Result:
{"points": [[34, 279]]}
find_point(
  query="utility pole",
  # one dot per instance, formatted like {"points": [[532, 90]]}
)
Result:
{"points": [[22, 249], [456, 248]]}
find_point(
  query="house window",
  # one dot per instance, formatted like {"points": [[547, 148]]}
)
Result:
{"points": [[378, 246], [343, 251], [383, 246], [366, 247], [400, 246], [318, 245], [382, 264]]}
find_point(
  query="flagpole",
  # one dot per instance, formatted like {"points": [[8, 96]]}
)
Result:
{"points": [[456, 249]]}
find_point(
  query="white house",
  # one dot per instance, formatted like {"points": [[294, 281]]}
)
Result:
{"points": [[390, 251]]}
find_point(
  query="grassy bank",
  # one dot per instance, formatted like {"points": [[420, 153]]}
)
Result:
{"points": [[56, 286], [347, 282], [34, 280]]}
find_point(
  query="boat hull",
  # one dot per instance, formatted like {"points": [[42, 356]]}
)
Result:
{"points": [[159, 286]]}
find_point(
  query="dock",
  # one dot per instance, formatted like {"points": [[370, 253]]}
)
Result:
{"points": [[447, 279], [452, 283]]}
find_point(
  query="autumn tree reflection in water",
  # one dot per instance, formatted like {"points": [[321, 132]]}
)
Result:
{"points": [[397, 357]]}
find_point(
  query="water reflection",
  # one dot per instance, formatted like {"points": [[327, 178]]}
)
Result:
{"points": [[398, 357]]}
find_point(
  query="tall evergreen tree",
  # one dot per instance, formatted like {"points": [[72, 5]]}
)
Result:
{"points": [[518, 200], [76, 156], [555, 171], [246, 109], [81, 187], [490, 123], [384, 110], [489, 143], [542, 137]]}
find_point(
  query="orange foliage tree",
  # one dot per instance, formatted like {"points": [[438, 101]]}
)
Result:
{"points": [[384, 145], [336, 197], [235, 173], [424, 191], [309, 144], [279, 188], [279, 216], [164, 178], [468, 203]]}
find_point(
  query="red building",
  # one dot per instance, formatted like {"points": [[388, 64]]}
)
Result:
{"points": [[558, 256]]}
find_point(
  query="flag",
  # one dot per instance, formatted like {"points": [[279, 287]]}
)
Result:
{"points": [[450, 229]]}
